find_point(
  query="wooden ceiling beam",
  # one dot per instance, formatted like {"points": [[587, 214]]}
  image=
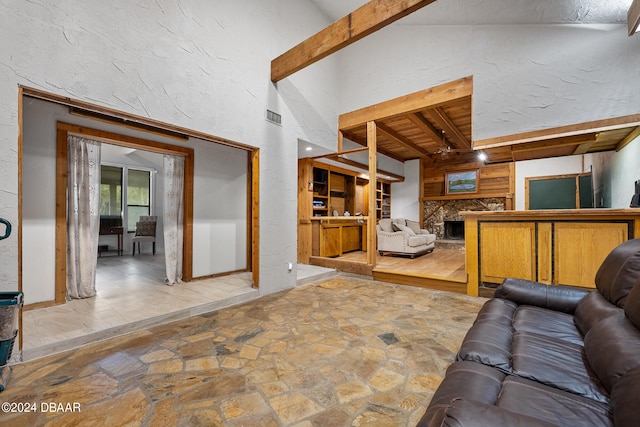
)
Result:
{"points": [[339, 153], [555, 143], [359, 165], [365, 20], [425, 125], [363, 141], [417, 101], [584, 148], [454, 134], [405, 142], [558, 132]]}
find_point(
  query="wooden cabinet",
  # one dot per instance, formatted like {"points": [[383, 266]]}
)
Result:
{"points": [[337, 190], [556, 247], [324, 190], [333, 239]]}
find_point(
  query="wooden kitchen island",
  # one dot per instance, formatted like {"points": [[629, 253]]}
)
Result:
{"points": [[556, 247]]}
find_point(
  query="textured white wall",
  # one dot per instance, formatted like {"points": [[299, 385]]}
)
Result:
{"points": [[201, 65], [525, 77], [405, 195], [617, 172]]}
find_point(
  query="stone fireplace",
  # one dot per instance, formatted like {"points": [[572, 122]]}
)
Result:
{"points": [[442, 217], [453, 230]]}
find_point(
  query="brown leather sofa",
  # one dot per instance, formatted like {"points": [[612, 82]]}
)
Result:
{"points": [[541, 355]]}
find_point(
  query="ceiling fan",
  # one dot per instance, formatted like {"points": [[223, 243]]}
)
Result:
{"points": [[445, 149]]}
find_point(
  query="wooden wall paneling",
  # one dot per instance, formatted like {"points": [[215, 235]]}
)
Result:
{"points": [[592, 242], [545, 253], [507, 250], [494, 180]]}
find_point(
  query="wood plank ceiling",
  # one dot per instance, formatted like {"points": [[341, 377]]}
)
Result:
{"points": [[431, 133], [442, 132]]}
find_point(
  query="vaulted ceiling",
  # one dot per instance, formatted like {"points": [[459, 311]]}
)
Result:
{"points": [[443, 132], [499, 12]]}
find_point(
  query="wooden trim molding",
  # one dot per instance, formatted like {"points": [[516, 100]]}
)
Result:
{"points": [[63, 130], [116, 117], [255, 218]]}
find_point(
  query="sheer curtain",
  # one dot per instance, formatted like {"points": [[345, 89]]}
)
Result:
{"points": [[173, 214], [83, 216]]}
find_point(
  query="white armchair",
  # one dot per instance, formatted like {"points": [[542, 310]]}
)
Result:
{"points": [[403, 237]]}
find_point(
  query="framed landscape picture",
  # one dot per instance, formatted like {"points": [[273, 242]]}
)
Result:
{"points": [[461, 182]]}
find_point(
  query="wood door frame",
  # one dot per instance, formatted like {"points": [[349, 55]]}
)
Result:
{"points": [[143, 124], [63, 130]]}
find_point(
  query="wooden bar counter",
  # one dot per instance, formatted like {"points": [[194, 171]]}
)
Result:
{"points": [[334, 235], [556, 247]]}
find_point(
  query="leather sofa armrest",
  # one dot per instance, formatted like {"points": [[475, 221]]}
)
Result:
{"points": [[552, 297], [467, 413]]}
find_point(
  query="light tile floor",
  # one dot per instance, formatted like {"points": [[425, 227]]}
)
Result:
{"points": [[132, 296], [345, 351]]}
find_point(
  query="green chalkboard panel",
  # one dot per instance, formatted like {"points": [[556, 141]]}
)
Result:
{"points": [[553, 193]]}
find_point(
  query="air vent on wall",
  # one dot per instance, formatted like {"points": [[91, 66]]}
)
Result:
{"points": [[274, 117]]}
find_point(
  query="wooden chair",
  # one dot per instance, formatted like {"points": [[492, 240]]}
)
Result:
{"points": [[145, 232]]}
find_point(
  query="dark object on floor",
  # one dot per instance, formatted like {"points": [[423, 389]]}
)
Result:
{"points": [[541, 355]]}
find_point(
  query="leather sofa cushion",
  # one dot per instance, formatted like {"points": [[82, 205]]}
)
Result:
{"points": [[553, 324], [612, 348], [497, 310], [592, 309], [467, 380], [619, 271], [488, 343], [467, 413], [556, 363], [558, 297], [632, 307], [625, 399], [551, 405]]}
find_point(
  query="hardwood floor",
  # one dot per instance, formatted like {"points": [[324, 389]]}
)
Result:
{"points": [[446, 263]]}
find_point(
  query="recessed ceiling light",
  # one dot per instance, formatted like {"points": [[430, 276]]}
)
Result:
{"points": [[309, 148], [482, 156]]}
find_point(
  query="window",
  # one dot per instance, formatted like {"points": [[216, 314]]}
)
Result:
{"points": [[136, 199], [110, 191], [138, 196]]}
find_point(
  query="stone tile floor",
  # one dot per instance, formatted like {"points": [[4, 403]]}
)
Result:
{"points": [[346, 351]]}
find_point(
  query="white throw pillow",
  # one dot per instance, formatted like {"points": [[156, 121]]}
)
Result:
{"points": [[386, 226], [406, 229], [414, 225]]}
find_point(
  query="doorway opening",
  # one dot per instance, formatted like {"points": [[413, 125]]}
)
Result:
{"points": [[43, 231]]}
